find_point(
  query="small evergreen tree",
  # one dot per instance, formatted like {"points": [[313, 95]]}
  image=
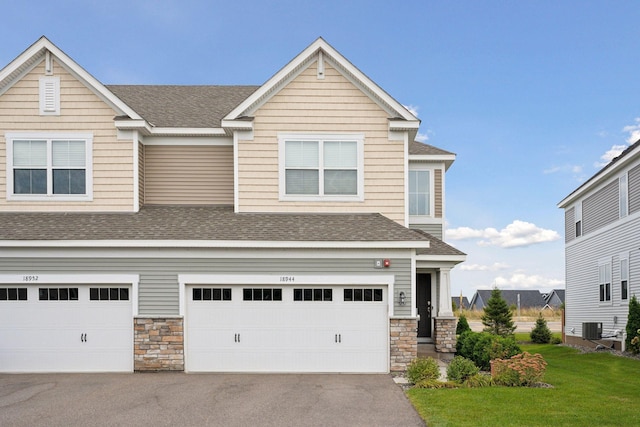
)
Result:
{"points": [[540, 334], [497, 318], [633, 321], [463, 325]]}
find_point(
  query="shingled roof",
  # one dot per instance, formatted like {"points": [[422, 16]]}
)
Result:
{"points": [[182, 106], [437, 246], [205, 223], [420, 148]]}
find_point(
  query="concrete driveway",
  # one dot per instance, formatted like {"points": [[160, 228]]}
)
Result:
{"points": [[178, 399]]}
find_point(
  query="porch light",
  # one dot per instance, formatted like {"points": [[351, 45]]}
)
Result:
{"points": [[402, 298]]}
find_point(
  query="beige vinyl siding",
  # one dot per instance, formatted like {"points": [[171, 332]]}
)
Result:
{"points": [[569, 225], [437, 183], [331, 106], [601, 208], [80, 111], [188, 175], [634, 189]]}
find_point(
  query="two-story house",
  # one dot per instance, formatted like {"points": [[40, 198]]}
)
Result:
{"points": [[602, 244], [294, 226]]}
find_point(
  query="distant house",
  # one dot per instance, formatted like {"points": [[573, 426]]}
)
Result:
{"points": [[555, 298], [460, 302], [602, 237], [525, 298]]}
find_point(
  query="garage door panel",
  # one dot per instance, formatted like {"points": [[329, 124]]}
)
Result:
{"points": [[288, 335]]}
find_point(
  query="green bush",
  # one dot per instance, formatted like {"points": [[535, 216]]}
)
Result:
{"points": [[463, 325], [482, 347], [540, 334], [423, 368], [556, 340], [435, 384], [460, 369], [477, 381], [633, 326]]}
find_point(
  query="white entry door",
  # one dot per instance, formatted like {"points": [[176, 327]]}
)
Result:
{"points": [[287, 329], [66, 328]]}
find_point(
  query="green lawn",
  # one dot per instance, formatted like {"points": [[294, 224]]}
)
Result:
{"points": [[592, 389]]}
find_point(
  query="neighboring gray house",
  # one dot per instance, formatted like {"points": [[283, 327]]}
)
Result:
{"points": [[294, 226], [602, 237], [460, 302], [526, 298], [554, 299]]}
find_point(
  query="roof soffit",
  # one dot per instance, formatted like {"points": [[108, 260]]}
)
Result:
{"points": [[35, 54], [301, 62]]}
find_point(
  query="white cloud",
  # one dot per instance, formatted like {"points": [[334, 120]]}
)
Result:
{"points": [[633, 130], [478, 267], [422, 137], [520, 280], [612, 153], [518, 233], [413, 109], [574, 169]]}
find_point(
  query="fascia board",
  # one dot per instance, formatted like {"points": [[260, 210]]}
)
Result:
{"points": [[432, 158], [237, 124], [424, 260], [599, 177], [212, 244], [408, 124], [305, 57], [170, 131]]}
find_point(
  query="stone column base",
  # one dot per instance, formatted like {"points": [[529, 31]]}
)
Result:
{"points": [[403, 342], [158, 344], [445, 334]]}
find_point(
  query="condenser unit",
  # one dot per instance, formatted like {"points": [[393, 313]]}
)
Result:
{"points": [[592, 330]]}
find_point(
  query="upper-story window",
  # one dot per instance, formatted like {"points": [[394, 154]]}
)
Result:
{"points": [[321, 167], [49, 166], [578, 219], [420, 193], [623, 196]]}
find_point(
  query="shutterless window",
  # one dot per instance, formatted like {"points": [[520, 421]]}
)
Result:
{"points": [[262, 294], [624, 196], [578, 219], [58, 294], [49, 166], [624, 279], [13, 294], [604, 279], [419, 192], [109, 294], [312, 294], [358, 294], [211, 294], [321, 167]]}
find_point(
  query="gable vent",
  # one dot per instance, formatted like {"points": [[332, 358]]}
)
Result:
{"points": [[50, 95]]}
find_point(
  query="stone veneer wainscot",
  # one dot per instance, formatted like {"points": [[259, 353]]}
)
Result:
{"points": [[158, 344], [403, 342], [445, 334]]}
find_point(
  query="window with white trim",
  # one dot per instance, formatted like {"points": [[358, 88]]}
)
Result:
{"points": [[623, 195], [604, 281], [321, 167], [624, 276], [420, 192], [578, 219], [42, 167]]}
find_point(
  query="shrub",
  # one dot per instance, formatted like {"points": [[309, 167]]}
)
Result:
{"points": [[482, 347], [556, 340], [633, 325], [520, 370], [423, 368], [478, 380], [540, 334], [460, 369], [497, 317], [463, 325], [435, 384]]}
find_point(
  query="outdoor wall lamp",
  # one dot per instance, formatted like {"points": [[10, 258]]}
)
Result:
{"points": [[402, 298]]}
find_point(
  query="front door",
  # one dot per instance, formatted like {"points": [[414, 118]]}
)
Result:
{"points": [[423, 291]]}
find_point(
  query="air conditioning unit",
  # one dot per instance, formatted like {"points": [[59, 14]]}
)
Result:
{"points": [[592, 331]]}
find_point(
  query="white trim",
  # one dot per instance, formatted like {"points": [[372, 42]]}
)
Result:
{"points": [[188, 140], [624, 256], [49, 86], [173, 131], [214, 244], [236, 190], [605, 229], [34, 278], [406, 178], [604, 262], [276, 279], [136, 171], [421, 167], [414, 300], [321, 138], [49, 137]]}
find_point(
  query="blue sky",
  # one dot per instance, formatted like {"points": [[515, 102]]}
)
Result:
{"points": [[530, 95]]}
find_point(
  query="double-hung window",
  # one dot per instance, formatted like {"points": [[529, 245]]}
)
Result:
{"points": [[420, 194], [624, 276], [321, 167], [604, 280], [43, 166]]}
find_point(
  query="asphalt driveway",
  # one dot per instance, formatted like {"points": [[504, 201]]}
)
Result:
{"points": [[178, 399]]}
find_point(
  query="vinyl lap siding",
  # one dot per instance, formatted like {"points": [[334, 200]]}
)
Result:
{"points": [[569, 225], [434, 229], [159, 292], [634, 189], [601, 208], [188, 175], [81, 111], [333, 105]]}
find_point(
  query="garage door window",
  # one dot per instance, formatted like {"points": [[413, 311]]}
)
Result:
{"points": [[13, 294], [313, 294], [58, 294], [211, 294], [261, 294], [109, 294], [363, 294]]}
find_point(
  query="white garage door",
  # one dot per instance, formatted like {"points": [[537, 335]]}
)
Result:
{"points": [[66, 328], [287, 329]]}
